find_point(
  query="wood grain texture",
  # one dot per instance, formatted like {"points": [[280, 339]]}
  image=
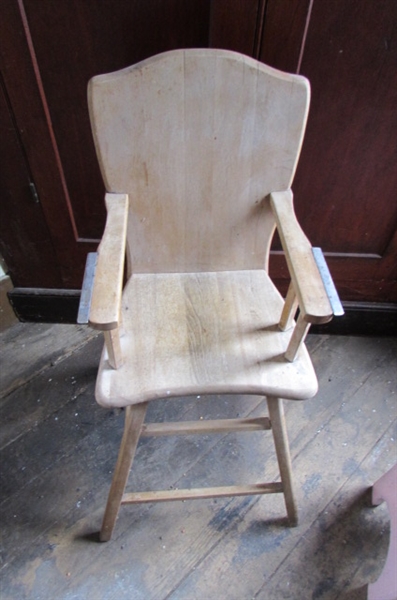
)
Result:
{"points": [[200, 314], [299, 333], [195, 333], [289, 310], [205, 426], [108, 282], [112, 342], [234, 549], [43, 345], [198, 139], [200, 493], [134, 418], [280, 437], [308, 285]]}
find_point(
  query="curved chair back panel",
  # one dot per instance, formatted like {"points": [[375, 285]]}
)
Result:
{"points": [[198, 138]]}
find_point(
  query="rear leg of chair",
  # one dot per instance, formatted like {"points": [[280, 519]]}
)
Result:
{"points": [[276, 414], [134, 418]]}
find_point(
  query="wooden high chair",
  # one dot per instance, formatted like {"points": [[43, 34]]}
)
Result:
{"points": [[198, 149]]}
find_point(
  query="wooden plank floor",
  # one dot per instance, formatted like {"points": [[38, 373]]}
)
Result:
{"points": [[58, 450]]}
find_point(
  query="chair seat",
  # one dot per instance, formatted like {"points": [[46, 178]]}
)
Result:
{"points": [[203, 333]]}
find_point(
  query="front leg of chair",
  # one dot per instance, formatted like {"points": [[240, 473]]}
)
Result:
{"points": [[277, 418], [134, 418]]}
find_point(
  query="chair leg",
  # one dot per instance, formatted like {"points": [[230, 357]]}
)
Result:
{"points": [[277, 418], [134, 418]]}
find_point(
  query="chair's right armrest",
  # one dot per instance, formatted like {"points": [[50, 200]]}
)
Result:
{"points": [[305, 276], [311, 285], [107, 281]]}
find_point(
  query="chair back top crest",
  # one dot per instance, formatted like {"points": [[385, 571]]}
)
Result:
{"points": [[198, 138]]}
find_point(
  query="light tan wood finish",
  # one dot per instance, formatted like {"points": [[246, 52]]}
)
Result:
{"points": [[112, 341], [305, 276], [289, 310], [134, 428], [299, 334], [198, 138], [134, 418], [209, 333], [200, 493], [108, 283], [280, 436], [213, 333], [200, 427]]}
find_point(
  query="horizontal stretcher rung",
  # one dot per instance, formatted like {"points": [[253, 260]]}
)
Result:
{"points": [[199, 493], [206, 426]]}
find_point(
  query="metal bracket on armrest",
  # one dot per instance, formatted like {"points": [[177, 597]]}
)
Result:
{"points": [[302, 326], [87, 288], [329, 286]]}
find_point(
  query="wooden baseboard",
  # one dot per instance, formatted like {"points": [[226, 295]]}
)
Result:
{"points": [[61, 306], [362, 318]]}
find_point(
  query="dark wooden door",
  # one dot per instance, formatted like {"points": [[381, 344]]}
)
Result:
{"points": [[346, 183], [23, 229], [49, 51], [345, 187]]}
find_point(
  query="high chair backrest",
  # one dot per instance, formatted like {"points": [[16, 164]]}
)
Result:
{"points": [[198, 138]]}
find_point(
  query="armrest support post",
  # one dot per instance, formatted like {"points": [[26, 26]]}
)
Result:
{"points": [[289, 310], [305, 276], [298, 337], [112, 341], [311, 286]]}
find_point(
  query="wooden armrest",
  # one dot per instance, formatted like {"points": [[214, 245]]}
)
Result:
{"points": [[306, 279], [108, 281]]}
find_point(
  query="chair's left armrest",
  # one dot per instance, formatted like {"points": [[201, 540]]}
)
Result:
{"points": [[305, 275], [102, 290]]}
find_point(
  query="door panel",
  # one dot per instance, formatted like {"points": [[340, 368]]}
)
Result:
{"points": [[46, 71], [346, 182], [25, 240], [284, 33], [87, 38], [23, 82], [237, 25]]}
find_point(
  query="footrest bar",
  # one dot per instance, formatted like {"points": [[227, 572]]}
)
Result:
{"points": [[205, 426], [200, 493]]}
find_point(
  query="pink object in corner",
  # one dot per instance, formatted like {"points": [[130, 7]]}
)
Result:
{"points": [[385, 489]]}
